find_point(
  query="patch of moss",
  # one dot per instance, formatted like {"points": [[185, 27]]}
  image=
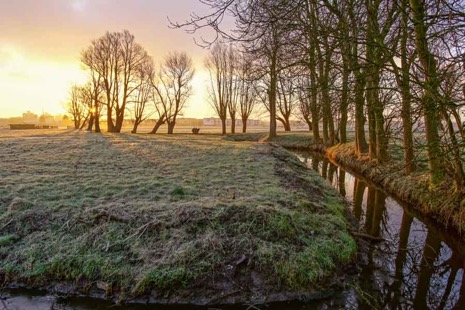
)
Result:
{"points": [[164, 277], [8, 239]]}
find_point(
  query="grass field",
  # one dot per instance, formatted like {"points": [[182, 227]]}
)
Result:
{"points": [[180, 217]]}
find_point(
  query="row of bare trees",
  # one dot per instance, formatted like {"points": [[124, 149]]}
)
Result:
{"points": [[232, 89], [388, 71], [123, 80]]}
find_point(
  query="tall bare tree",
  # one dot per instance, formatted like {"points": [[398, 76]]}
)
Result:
{"points": [[173, 86], [115, 58], [142, 95], [247, 91], [76, 108], [218, 66]]}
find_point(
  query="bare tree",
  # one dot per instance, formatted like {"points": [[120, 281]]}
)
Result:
{"points": [[173, 86], [217, 64], [247, 91], [115, 58], [376, 63], [287, 98], [304, 104], [233, 89], [263, 28], [96, 88], [142, 95], [158, 105], [76, 108]]}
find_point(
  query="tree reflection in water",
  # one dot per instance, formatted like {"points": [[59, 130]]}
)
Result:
{"points": [[418, 265]]}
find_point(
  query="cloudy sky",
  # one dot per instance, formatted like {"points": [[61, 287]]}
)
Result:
{"points": [[41, 41]]}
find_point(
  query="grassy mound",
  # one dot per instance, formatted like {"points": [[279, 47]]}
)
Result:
{"points": [[181, 218]]}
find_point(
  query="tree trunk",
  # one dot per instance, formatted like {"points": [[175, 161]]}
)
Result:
{"points": [[372, 145], [409, 155], [459, 176], [272, 97], [309, 124], [313, 75], [378, 139], [244, 125], [91, 122], [431, 93], [97, 122], [361, 146], [110, 125], [406, 113], [223, 127], [83, 124], [233, 125], [381, 136], [344, 100], [136, 124], [327, 113], [370, 79], [371, 86], [119, 121], [325, 126], [326, 105], [158, 124], [286, 123], [171, 127]]}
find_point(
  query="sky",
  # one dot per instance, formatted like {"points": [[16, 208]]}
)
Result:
{"points": [[41, 42]]}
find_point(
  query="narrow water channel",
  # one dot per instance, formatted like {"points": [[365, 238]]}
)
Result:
{"points": [[417, 265], [408, 262]]}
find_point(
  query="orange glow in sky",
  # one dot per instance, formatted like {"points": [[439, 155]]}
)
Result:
{"points": [[41, 42]]}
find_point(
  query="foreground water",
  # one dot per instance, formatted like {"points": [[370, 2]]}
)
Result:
{"points": [[407, 262], [416, 265]]}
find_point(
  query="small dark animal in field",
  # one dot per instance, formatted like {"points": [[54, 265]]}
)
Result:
{"points": [[195, 131]]}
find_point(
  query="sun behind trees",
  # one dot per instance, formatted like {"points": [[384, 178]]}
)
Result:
{"points": [[122, 78]]}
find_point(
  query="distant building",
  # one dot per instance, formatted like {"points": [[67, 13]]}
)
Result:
{"points": [[212, 121]]}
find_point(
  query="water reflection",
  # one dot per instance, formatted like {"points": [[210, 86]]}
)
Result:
{"points": [[416, 266]]}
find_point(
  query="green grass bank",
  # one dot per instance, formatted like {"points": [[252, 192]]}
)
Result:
{"points": [[171, 219]]}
